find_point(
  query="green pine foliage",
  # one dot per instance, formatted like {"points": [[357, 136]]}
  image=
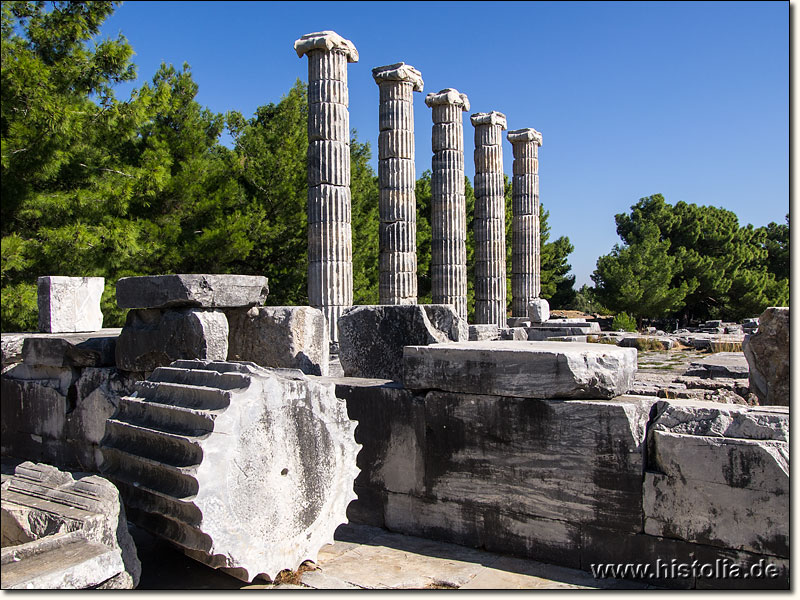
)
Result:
{"points": [[693, 262], [97, 186]]}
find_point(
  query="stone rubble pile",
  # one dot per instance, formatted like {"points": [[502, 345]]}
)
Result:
{"points": [[64, 531]]}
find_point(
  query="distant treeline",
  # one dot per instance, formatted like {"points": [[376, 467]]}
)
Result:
{"points": [[96, 186]]}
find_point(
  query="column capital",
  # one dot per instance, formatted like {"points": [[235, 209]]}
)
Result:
{"points": [[525, 135], [327, 41], [399, 72], [490, 118], [448, 96]]}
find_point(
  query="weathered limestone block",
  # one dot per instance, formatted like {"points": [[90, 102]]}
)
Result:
{"points": [[200, 291], [708, 460], [95, 349], [68, 304], [371, 338], [521, 369], [245, 468], [480, 333], [58, 414], [293, 337], [64, 530], [578, 461], [538, 310], [11, 348], [156, 337], [391, 432], [767, 353], [508, 474]]}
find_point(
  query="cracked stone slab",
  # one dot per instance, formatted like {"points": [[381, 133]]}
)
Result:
{"points": [[521, 369], [200, 291]]}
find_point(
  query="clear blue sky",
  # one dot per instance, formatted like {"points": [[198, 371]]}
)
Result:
{"points": [[686, 99]]}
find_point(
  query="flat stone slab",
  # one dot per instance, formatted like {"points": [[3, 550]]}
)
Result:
{"points": [[521, 369], [199, 291], [721, 364], [95, 349]]}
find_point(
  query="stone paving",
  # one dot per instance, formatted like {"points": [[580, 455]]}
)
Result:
{"points": [[365, 557]]}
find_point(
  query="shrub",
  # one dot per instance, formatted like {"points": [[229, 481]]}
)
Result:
{"points": [[623, 322]]}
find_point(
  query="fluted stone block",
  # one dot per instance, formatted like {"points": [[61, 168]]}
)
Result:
{"points": [[329, 204], [489, 223], [330, 258], [244, 468], [526, 251]]}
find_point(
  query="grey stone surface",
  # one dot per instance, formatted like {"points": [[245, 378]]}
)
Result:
{"points": [[96, 349], [538, 310], [448, 204], [330, 253], [372, 338], [11, 348], [191, 290], [521, 369], [518, 322], [397, 182], [692, 478], [514, 333], [767, 354], [479, 333], [525, 251], [246, 468], [58, 414], [294, 337], [156, 337], [489, 221], [38, 501], [68, 304], [721, 364], [536, 333]]}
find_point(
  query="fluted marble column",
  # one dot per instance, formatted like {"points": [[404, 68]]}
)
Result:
{"points": [[397, 180], [448, 206], [525, 252], [330, 253], [490, 219]]}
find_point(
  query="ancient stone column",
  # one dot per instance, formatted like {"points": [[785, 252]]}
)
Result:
{"points": [[490, 219], [525, 251], [448, 206], [330, 253], [397, 180]]}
